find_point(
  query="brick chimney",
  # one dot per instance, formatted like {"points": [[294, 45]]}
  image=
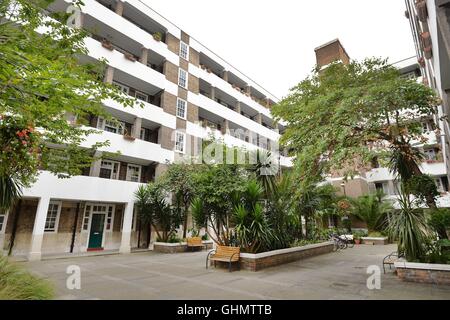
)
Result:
{"points": [[331, 52]]}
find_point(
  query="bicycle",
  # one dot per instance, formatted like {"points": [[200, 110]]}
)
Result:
{"points": [[339, 244]]}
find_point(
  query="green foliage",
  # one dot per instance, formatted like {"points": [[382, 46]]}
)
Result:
{"points": [[423, 188], [18, 284], [179, 181], [41, 83], [212, 207], [153, 208], [438, 252], [408, 226], [359, 234], [371, 210], [342, 110], [440, 222], [10, 191], [252, 228]]}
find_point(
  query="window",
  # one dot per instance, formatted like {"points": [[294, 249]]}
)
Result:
{"points": [[109, 170], [110, 218], [439, 185], [180, 142], [141, 96], [3, 218], [111, 125], [121, 87], [87, 213], [182, 78], [181, 108], [53, 212], [133, 173], [430, 154], [184, 51], [382, 186], [142, 135]]}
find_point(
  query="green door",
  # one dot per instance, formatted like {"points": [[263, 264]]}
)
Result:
{"points": [[96, 235]]}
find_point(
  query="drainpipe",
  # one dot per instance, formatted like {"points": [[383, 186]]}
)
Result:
{"points": [[74, 229]]}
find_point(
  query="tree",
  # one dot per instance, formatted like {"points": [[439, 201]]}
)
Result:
{"points": [[370, 209], [178, 180], [341, 117], [213, 203], [42, 84], [153, 206]]}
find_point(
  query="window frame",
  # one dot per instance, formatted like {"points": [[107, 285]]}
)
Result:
{"points": [[141, 94], [86, 224], [58, 215], [102, 123], [180, 134], [180, 78], [112, 171], [181, 53], [128, 172], [123, 88], [182, 101]]}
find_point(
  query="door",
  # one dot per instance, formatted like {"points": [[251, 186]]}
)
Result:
{"points": [[96, 233]]}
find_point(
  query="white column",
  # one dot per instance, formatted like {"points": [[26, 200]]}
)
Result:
{"points": [[125, 245], [213, 93], [238, 107], [38, 230], [137, 128], [144, 56], [109, 74], [119, 7], [96, 165]]}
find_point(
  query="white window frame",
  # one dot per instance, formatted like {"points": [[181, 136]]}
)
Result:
{"points": [[184, 50], [87, 218], [430, 154], [5, 221], [112, 169], [439, 184], [125, 89], [180, 78], [181, 103], [117, 125], [177, 144], [138, 93], [58, 214], [129, 172]]}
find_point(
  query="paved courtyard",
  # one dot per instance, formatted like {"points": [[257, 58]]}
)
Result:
{"points": [[148, 275]]}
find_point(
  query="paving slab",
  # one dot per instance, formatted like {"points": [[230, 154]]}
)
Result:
{"points": [[148, 275]]}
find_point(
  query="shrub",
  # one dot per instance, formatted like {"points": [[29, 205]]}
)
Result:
{"points": [[18, 284], [440, 222]]}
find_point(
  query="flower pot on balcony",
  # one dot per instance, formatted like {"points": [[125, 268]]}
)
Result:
{"points": [[157, 36], [129, 137], [422, 11], [130, 57], [108, 45], [422, 62], [426, 39], [428, 52]]}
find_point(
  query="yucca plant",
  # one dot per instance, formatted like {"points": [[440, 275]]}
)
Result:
{"points": [[10, 192], [409, 227]]}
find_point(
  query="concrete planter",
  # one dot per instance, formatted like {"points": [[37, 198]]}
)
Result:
{"points": [[164, 247], [256, 262], [423, 272], [377, 241]]}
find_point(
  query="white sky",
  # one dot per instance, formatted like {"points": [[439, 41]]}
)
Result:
{"points": [[273, 42]]}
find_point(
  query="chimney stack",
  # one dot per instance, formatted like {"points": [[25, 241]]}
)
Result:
{"points": [[331, 52]]}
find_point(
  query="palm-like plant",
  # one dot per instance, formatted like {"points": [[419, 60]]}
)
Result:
{"points": [[10, 192], [265, 171], [252, 228], [371, 210], [409, 227]]}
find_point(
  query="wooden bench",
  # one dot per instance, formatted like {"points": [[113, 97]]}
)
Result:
{"points": [[391, 259], [224, 254], [195, 242]]}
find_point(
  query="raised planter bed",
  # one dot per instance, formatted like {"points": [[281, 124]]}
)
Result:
{"points": [[377, 241], [423, 272], [256, 262], [164, 247]]}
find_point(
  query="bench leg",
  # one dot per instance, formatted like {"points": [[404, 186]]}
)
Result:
{"points": [[207, 262], [230, 266]]}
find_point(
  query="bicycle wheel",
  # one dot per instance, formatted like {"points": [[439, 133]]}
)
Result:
{"points": [[342, 245], [335, 245], [350, 244]]}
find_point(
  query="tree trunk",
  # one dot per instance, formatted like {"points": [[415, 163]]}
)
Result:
{"points": [[185, 222]]}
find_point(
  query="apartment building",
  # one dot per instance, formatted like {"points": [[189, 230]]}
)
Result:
{"points": [[379, 178], [430, 27], [188, 93]]}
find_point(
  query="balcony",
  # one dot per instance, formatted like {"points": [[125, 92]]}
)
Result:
{"points": [[133, 148]]}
